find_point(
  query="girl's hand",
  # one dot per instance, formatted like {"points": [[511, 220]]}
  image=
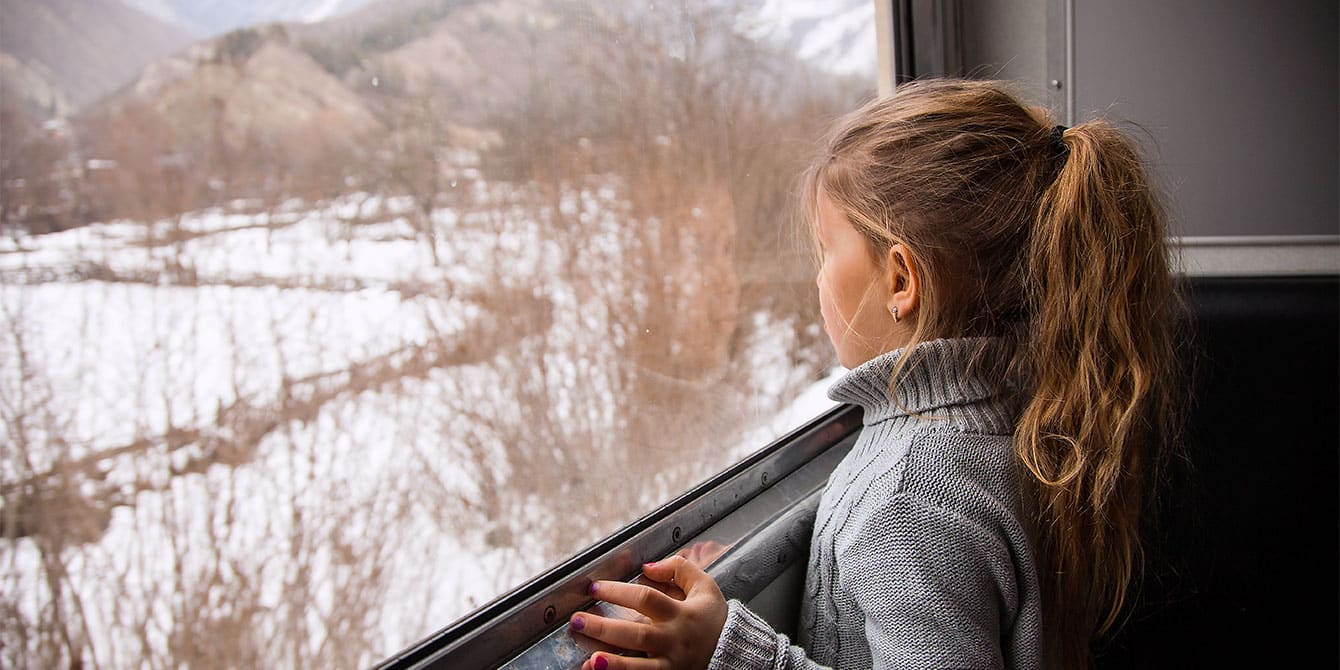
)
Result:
{"points": [[680, 633]]}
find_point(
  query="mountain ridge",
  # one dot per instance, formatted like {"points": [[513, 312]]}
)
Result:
{"points": [[58, 56], [61, 55]]}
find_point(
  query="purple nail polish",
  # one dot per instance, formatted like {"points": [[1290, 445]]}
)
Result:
{"points": [[600, 663], [578, 623], [592, 589]]}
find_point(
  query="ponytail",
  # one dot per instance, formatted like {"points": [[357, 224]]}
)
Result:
{"points": [[1098, 354]]}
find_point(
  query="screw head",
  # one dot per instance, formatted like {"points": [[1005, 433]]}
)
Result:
{"points": [[549, 614], [1056, 84], [676, 534]]}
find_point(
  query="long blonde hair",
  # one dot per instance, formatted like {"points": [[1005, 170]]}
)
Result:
{"points": [[1052, 241]]}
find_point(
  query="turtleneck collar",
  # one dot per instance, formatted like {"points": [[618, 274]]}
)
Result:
{"points": [[936, 384]]}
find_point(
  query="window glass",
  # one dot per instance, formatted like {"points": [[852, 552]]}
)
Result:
{"points": [[325, 323]]}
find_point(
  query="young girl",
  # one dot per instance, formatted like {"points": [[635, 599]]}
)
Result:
{"points": [[1000, 289]]}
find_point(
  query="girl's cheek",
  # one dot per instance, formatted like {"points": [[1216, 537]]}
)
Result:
{"points": [[826, 311], [825, 308]]}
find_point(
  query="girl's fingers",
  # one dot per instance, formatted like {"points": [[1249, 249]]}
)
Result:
{"points": [[616, 632], [682, 572], [604, 661], [667, 588], [664, 570], [644, 599]]}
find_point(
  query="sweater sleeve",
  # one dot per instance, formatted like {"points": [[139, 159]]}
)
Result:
{"points": [[748, 642], [933, 586]]}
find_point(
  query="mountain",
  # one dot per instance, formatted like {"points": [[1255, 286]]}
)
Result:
{"points": [[458, 61], [56, 56], [59, 55], [470, 56], [250, 86], [214, 17], [341, 78]]}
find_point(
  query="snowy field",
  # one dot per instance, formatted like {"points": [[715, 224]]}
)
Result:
{"points": [[289, 438]]}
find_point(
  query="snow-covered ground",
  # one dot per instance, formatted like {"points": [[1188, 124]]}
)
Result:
{"points": [[309, 439]]}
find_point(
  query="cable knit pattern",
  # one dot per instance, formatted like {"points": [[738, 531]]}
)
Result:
{"points": [[920, 556]]}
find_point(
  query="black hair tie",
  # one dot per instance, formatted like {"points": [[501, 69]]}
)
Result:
{"points": [[1058, 144]]}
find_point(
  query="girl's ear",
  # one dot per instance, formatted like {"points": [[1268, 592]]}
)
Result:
{"points": [[904, 276]]}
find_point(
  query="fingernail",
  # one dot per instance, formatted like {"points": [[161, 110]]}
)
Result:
{"points": [[592, 589], [648, 566], [600, 663], [578, 623]]}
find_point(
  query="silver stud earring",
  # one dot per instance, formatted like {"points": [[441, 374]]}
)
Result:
{"points": [[894, 309]]}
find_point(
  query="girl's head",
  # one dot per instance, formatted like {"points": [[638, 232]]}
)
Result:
{"points": [[954, 174], [979, 216]]}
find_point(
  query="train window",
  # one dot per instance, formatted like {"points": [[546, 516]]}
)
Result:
{"points": [[322, 329]]}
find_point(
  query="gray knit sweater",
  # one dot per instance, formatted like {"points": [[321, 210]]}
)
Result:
{"points": [[920, 556]]}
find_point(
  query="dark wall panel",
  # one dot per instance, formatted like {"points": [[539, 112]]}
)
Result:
{"points": [[1239, 99]]}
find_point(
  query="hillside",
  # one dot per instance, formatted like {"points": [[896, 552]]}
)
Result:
{"points": [[57, 56], [250, 85], [337, 79]]}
